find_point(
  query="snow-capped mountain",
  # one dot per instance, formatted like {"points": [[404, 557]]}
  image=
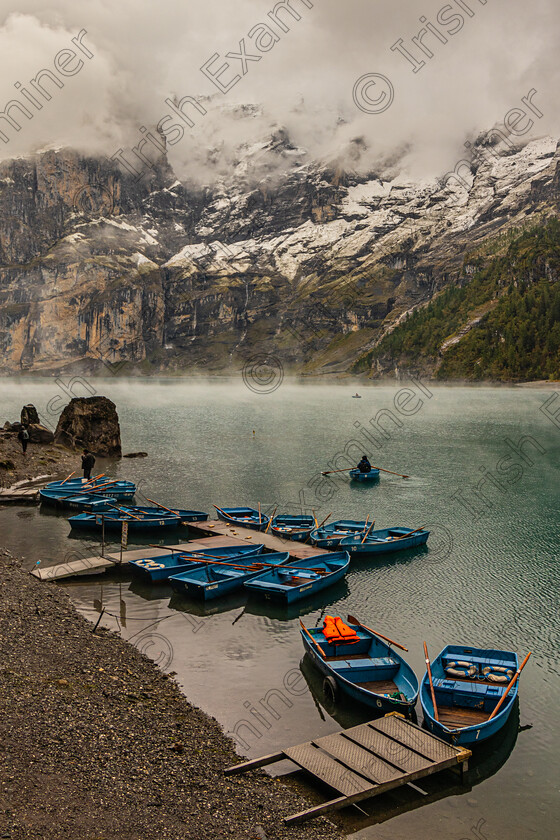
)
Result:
{"points": [[295, 259]]}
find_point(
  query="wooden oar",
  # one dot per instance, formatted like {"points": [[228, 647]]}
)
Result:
{"points": [[263, 565], [67, 477], [428, 666], [368, 533], [353, 620], [122, 510], [403, 536], [315, 642], [330, 472], [325, 519], [314, 519], [163, 507], [367, 520], [390, 472], [510, 686], [260, 563], [95, 477], [270, 520]]}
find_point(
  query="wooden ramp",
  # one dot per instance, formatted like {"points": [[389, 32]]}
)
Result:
{"points": [[366, 760], [298, 550]]}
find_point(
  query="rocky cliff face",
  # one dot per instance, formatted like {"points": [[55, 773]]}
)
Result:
{"points": [[313, 266]]}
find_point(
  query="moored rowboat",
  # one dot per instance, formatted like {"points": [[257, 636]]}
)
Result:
{"points": [[363, 667], [245, 517], [76, 501], [300, 578], [213, 581], [160, 568], [99, 486], [292, 527], [468, 685], [384, 540], [115, 520], [329, 536]]}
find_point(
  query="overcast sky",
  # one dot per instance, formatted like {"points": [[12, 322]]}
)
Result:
{"points": [[145, 52]]}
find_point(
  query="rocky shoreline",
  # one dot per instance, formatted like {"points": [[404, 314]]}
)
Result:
{"points": [[41, 459], [97, 743]]}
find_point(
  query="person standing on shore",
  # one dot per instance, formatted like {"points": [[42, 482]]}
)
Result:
{"points": [[23, 437], [88, 461]]}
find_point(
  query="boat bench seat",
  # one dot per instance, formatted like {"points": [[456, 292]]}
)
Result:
{"points": [[478, 660], [366, 662], [366, 669]]}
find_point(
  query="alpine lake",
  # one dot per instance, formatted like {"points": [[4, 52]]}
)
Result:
{"points": [[483, 466]]}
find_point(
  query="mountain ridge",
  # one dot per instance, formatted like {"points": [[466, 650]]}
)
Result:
{"points": [[100, 270]]}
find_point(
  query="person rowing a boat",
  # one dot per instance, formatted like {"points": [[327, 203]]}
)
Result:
{"points": [[88, 461], [364, 466]]}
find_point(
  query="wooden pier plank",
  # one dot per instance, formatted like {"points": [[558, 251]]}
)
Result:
{"points": [[358, 758], [331, 772], [413, 737], [393, 752]]}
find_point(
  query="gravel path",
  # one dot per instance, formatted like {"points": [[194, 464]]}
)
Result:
{"points": [[97, 744]]}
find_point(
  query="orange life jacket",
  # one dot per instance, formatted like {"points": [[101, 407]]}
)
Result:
{"points": [[335, 630]]}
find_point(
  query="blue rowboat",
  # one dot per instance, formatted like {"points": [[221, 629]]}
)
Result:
{"points": [[156, 569], [115, 520], [76, 501], [300, 578], [213, 581], [292, 527], [385, 540], [184, 515], [367, 670], [356, 475], [244, 517], [468, 685], [329, 536], [105, 487]]}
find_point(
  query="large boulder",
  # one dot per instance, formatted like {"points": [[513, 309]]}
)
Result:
{"points": [[29, 415], [39, 433], [90, 423]]}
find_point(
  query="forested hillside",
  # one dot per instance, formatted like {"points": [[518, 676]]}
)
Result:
{"points": [[504, 324]]}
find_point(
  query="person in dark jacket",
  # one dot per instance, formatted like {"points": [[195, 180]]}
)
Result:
{"points": [[364, 466], [88, 461], [23, 437]]}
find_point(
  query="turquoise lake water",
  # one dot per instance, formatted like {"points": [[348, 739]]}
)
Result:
{"points": [[483, 466]]}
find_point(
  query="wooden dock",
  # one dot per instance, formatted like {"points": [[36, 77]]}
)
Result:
{"points": [[98, 564], [366, 760], [14, 495], [298, 550]]}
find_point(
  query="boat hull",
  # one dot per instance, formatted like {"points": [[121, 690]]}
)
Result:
{"points": [[364, 478], [94, 522], [462, 701], [370, 545], [204, 584], [244, 518], [161, 568], [297, 528], [62, 497], [267, 585], [331, 536], [377, 701]]}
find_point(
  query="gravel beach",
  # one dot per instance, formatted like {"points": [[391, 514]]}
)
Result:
{"points": [[96, 743]]}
